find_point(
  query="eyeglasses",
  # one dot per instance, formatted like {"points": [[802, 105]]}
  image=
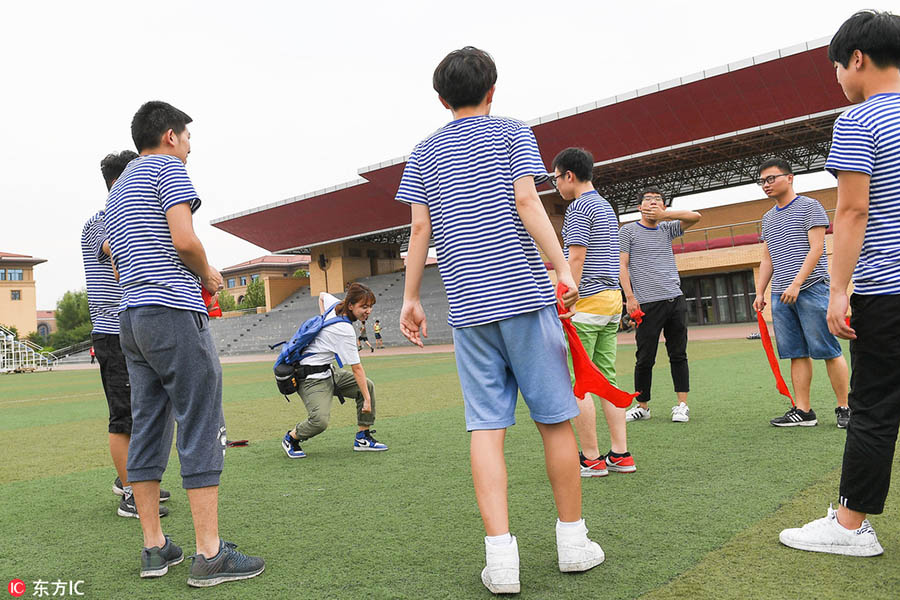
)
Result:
{"points": [[554, 177], [771, 179]]}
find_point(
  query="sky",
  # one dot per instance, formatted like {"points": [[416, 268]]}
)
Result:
{"points": [[293, 97]]}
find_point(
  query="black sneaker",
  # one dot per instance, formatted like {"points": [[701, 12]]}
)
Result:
{"points": [[796, 418], [155, 561], [227, 565], [128, 509], [843, 416], [119, 490]]}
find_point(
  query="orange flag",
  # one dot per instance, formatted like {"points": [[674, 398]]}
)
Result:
{"points": [[588, 377], [770, 353]]}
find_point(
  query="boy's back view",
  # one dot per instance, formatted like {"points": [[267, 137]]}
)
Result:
{"points": [[472, 184]]}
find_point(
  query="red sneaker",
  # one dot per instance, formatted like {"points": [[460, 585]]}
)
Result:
{"points": [[619, 464], [593, 468]]}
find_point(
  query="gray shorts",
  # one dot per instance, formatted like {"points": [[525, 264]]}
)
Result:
{"points": [[174, 372]]}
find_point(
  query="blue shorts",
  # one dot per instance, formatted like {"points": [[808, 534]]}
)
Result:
{"points": [[496, 360], [801, 330]]}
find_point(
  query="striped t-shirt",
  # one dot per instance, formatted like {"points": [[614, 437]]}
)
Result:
{"points": [[866, 139], [150, 270], [785, 231], [651, 262], [102, 289], [464, 174], [591, 222]]}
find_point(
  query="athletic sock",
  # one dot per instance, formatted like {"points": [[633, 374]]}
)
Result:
{"points": [[499, 540], [564, 527], [617, 455]]}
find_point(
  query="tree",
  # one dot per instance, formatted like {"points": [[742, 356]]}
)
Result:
{"points": [[255, 295], [73, 320], [301, 273], [227, 301]]}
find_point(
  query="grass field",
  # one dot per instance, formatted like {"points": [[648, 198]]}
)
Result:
{"points": [[699, 519]]}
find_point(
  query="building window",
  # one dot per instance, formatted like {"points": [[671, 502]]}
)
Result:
{"points": [[254, 277], [231, 282], [719, 298], [43, 331], [2, 274], [371, 253], [243, 280], [354, 252], [15, 275], [15, 294]]}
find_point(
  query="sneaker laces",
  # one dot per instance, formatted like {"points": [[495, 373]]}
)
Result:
{"points": [[368, 436]]}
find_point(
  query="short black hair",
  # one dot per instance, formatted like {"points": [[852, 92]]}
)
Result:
{"points": [[874, 33], [152, 120], [779, 163], [113, 164], [464, 77], [578, 161], [651, 190]]}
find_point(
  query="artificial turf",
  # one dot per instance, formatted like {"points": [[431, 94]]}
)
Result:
{"points": [[699, 519]]}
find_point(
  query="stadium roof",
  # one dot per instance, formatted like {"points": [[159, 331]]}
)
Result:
{"points": [[277, 260], [695, 133]]}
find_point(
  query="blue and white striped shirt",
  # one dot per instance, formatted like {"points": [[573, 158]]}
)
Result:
{"points": [[785, 231], [651, 262], [464, 173], [150, 270], [591, 222], [103, 291], [866, 139]]}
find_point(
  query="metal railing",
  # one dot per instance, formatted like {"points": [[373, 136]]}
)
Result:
{"points": [[736, 235], [22, 355]]}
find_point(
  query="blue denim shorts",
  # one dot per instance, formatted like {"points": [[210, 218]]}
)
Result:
{"points": [[801, 330], [496, 360]]}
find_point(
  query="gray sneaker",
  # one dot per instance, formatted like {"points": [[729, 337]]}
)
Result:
{"points": [[128, 509], [843, 416], [119, 490], [227, 565], [155, 561]]}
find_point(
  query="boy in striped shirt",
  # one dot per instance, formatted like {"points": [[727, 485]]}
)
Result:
{"points": [[472, 184], [652, 285], [103, 302], [794, 260], [865, 158], [590, 235], [172, 362]]}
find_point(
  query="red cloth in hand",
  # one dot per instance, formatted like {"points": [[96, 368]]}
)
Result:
{"points": [[637, 316], [770, 353], [212, 306], [588, 377]]}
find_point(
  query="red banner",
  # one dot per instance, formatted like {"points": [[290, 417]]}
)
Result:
{"points": [[588, 377], [770, 353]]}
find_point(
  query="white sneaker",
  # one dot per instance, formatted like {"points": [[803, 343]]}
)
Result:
{"points": [[827, 535], [637, 413], [501, 575], [681, 413], [575, 551]]}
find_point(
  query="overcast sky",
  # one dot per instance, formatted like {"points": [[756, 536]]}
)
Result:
{"points": [[291, 97]]}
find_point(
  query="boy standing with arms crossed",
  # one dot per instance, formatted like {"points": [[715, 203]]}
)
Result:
{"points": [[472, 184], [865, 157]]}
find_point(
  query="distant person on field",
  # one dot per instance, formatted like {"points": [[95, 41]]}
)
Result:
{"points": [[324, 382], [379, 343], [591, 239], [865, 158], [794, 260], [652, 285], [472, 184], [172, 362], [363, 337], [104, 296]]}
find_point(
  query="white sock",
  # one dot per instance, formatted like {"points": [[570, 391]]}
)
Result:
{"points": [[499, 540], [574, 526]]}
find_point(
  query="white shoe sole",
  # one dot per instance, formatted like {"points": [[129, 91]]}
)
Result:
{"points": [[800, 424], [680, 419], [615, 469], [870, 550], [162, 571], [589, 473], [499, 588], [287, 451], [217, 580], [585, 565], [633, 419], [368, 449]]}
